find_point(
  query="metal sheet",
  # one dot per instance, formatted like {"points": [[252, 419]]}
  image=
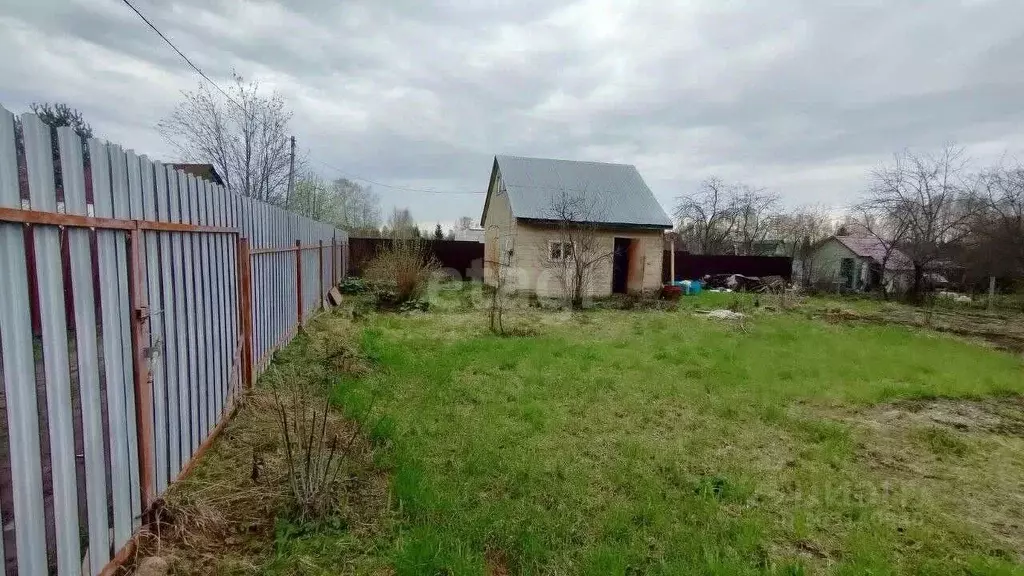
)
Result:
{"points": [[16, 347], [108, 243], [170, 320], [157, 336], [120, 173], [87, 354], [225, 313], [207, 291], [56, 364], [212, 359], [217, 315], [175, 200], [186, 190], [199, 323], [617, 192]]}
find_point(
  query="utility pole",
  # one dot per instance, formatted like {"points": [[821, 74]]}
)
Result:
{"points": [[291, 178]]}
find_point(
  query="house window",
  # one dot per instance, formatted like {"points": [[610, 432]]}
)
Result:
{"points": [[559, 251]]}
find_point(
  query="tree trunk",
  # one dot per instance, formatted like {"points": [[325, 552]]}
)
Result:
{"points": [[918, 286]]}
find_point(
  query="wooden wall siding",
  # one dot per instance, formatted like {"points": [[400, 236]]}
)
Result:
{"points": [[132, 271]]}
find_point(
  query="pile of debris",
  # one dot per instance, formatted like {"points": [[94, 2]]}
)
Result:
{"points": [[741, 283]]}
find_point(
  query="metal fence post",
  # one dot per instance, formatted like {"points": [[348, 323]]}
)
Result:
{"points": [[245, 311], [321, 260], [298, 283], [140, 369], [334, 260]]}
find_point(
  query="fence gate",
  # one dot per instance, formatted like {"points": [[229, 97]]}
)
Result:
{"points": [[131, 311], [120, 344]]}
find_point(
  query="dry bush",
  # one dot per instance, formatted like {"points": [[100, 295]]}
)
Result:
{"points": [[316, 447], [221, 518], [403, 266]]}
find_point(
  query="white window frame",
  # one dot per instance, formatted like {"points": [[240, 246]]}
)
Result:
{"points": [[563, 255]]}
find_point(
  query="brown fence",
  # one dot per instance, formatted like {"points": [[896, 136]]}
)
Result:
{"points": [[694, 266], [462, 256]]}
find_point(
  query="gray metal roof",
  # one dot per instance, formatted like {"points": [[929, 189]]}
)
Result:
{"points": [[616, 191]]}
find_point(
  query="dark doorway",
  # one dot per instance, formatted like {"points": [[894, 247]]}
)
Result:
{"points": [[620, 265]]}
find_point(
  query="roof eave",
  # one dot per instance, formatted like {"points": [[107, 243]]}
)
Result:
{"points": [[662, 226]]}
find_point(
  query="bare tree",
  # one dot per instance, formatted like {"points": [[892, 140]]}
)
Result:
{"points": [[499, 261], [932, 197], [577, 249], [464, 223], [245, 138], [358, 207], [888, 231], [754, 212], [707, 218], [401, 224], [799, 230], [998, 229]]}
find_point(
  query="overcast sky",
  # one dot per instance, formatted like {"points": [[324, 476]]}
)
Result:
{"points": [[796, 96]]}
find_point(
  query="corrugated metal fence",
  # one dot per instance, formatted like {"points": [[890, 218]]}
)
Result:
{"points": [[137, 302], [462, 257], [695, 266]]}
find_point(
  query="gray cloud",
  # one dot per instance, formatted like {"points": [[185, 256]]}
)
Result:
{"points": [[800, 96]]}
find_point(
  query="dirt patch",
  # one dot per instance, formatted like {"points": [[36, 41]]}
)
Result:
{"points": [[1004, 415], [497, 564], [958, 461], [1001, 331]]}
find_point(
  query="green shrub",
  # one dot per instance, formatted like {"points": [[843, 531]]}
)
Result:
{"points": [[352, 285]]}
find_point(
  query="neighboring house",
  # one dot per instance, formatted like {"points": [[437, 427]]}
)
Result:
{"points": [[205, 171], [522, 231], [855, 263]]}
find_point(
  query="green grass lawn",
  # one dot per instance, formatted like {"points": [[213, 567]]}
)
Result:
{"points": [[655, 442]]}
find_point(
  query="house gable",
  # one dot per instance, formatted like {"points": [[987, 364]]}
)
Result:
{"points": [[834, 246], [492, 188]]}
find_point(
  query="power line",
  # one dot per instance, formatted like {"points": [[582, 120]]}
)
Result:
{"points": [[246, 113], [182, 54]]}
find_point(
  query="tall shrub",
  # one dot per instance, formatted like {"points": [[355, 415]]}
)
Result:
{"points": [[404, 266]]}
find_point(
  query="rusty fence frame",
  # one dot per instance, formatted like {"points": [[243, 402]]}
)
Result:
{"points": [[336, 260], [241, 373]]}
